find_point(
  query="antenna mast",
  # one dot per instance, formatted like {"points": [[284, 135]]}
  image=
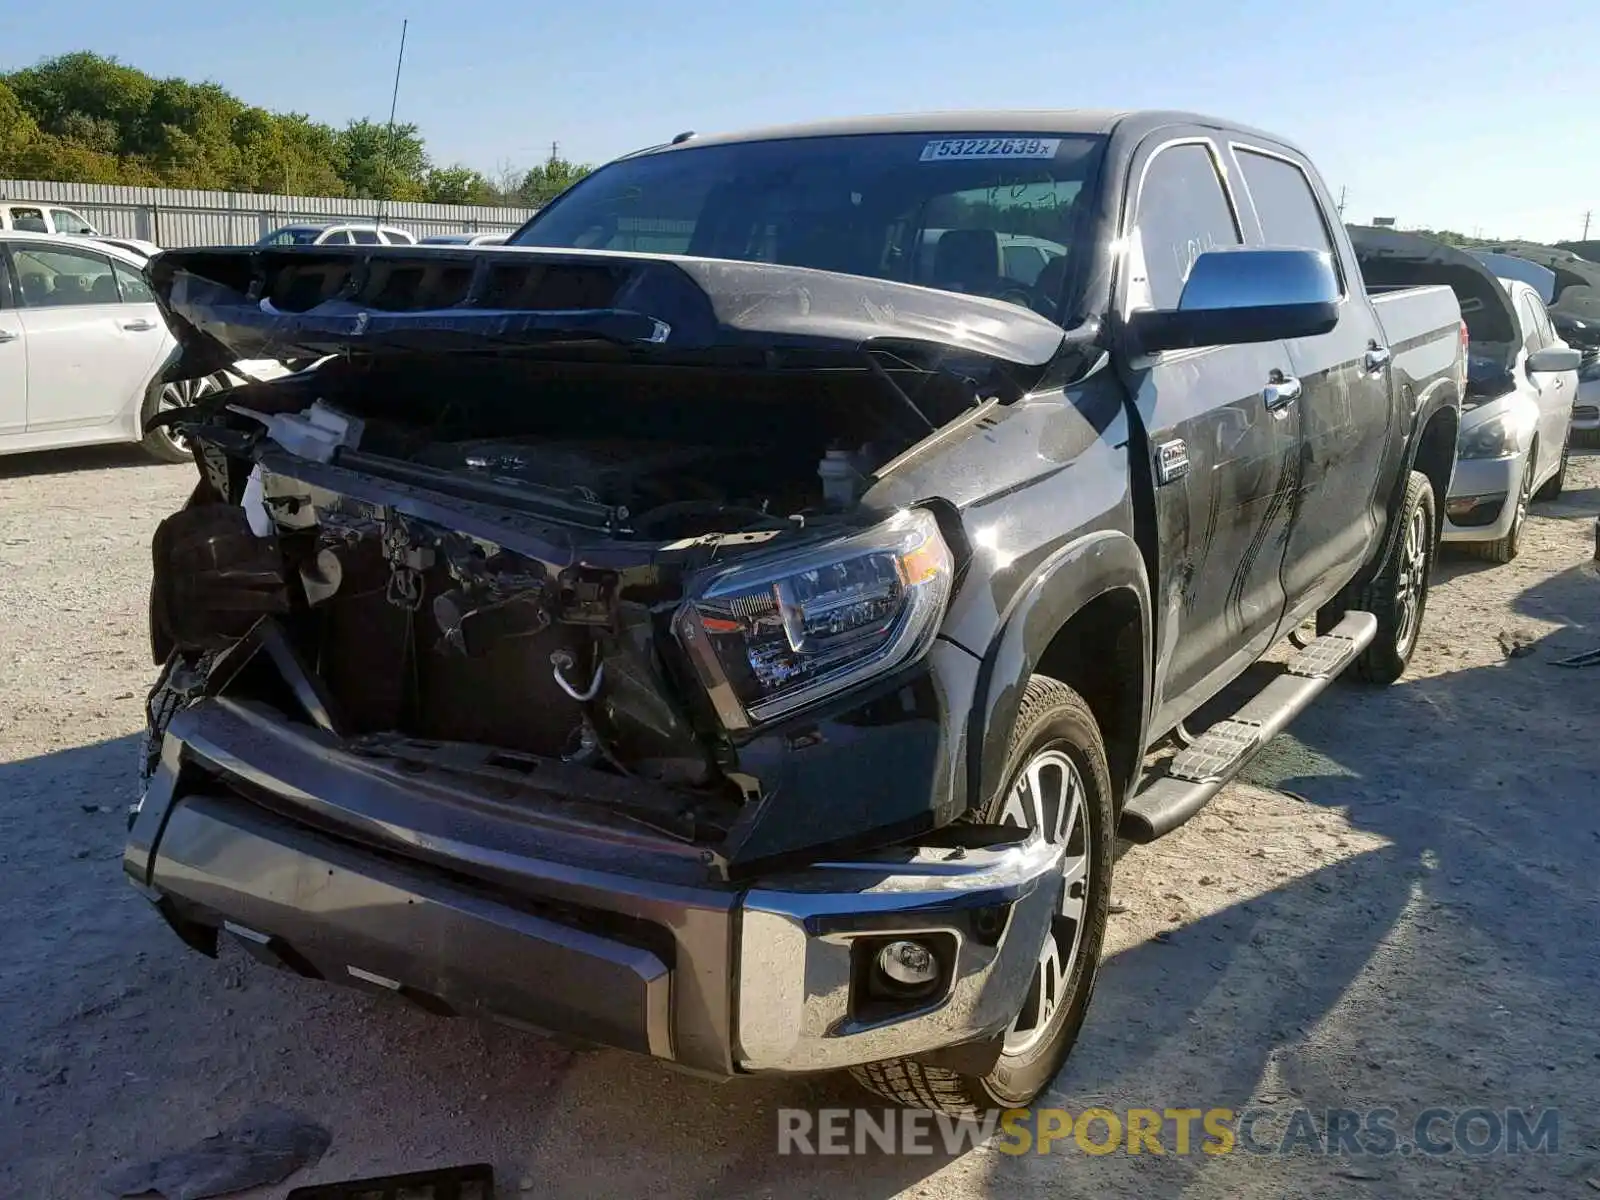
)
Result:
{"points": [[394, 102]]}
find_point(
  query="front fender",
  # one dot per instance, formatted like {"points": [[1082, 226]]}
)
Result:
{"points": [[1099, 563]]}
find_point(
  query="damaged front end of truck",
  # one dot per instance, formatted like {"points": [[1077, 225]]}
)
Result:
{"points": [[544, 650]]}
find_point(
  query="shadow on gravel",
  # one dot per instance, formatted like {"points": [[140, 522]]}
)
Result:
{"points": [[1453, 951], [84, 458], [1470, 933]]}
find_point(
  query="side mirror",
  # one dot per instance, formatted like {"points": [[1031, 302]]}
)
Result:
{"points": [[1555, 358], [1245, 295]]}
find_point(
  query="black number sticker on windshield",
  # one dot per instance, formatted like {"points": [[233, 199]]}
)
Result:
{"points": [[955, 149]]}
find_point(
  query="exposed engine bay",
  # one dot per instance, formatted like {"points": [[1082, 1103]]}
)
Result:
{"points": [[420, 565]]}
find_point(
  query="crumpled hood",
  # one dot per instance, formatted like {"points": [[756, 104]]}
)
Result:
{"points": [[232, 303]]}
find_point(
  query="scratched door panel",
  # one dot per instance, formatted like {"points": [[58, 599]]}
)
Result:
{"points": [[1224, 521]]}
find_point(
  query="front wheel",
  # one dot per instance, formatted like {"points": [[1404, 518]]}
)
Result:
{"points": [[1059, 784], [1503, 550], [1398, 595]]}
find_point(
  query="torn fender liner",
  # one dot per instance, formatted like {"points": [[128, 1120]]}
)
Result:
{"points": [[213, 577], [308, 301], [266, 1146]]}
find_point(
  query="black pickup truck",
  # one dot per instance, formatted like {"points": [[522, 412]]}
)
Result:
{"points": [[735, 621]]}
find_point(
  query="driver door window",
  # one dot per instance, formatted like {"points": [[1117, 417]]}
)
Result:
{"points": [[1532, 340], [365, 237], [67, 221], [1183, 212], [341, 238]]}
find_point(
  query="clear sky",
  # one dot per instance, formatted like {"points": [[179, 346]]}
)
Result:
{"points": [[1467, 114]]}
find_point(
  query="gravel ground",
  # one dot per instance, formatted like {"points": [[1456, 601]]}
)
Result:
{"points": [[1396, 910]]}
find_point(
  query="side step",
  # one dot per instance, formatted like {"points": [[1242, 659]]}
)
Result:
{"points": [[1199, 771]]}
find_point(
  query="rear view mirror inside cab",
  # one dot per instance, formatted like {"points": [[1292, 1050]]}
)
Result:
{"points": [[1244, 295]]}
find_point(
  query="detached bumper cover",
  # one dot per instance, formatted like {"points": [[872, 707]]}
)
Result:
{"points": [[354, 872]]}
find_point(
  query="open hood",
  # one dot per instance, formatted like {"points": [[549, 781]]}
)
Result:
{"points": [[1392, 259], [226, 304]]}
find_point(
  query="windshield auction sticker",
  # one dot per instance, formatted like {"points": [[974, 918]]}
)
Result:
{"points": [[950, 149]]}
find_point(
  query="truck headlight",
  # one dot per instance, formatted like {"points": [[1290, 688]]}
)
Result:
{"points": [[772, 637], [1495, 437]]}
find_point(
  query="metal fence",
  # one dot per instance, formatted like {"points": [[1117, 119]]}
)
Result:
{"points": [[174, 217]]}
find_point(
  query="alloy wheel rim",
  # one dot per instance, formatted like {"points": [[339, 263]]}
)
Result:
{"points": [[181, 393], [1413, 570], [1524, 490], [1049, 796]]}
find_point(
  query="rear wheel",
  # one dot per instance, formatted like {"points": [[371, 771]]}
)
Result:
{"points": [[1553, 487], [1398, 594], [1059, 784], [162, 442]]}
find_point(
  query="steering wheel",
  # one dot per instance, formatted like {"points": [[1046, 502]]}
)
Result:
{"points": [[1015, 295]]}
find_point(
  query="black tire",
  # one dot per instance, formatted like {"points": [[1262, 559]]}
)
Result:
{"points": [[160, 443], [1503, 550], [1053, 719], [1552, 488], [1398, 594]]}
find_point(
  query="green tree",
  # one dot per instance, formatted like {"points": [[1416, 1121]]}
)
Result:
{"points": [[459, 185], [379, 165], [69, 95], [549, 179], [18, 131], [85, 118]]}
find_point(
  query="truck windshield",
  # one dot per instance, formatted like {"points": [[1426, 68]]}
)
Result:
{"points": [[995, 215]]}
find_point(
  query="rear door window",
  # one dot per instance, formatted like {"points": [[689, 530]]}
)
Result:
{"points": [[1183, 213], [365, 237], [341, 238], [1284, 202], [28, 220]]}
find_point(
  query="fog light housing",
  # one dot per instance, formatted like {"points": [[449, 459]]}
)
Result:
{"points": [[909, 964]]}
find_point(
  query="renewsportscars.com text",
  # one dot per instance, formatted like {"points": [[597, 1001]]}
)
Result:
{"points": [[1372, 1132]]}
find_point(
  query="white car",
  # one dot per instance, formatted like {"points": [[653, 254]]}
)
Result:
{"points": [[42, 217], [1512, 448], [139, 246], [81, 345], [338, 235], [464, 239]]}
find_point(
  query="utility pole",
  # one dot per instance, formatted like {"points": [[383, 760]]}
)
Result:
{"points": [[555, 153], [394, 101], [1586, 217], [1343, 192]]}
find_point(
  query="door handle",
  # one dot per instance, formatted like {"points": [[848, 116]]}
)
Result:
{"points": [[1281, 390], [139, 326], [1377, 357], [7, 336]]}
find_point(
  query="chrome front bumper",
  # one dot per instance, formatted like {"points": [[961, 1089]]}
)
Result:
{"points": [[800, 953], [359, 873]]}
